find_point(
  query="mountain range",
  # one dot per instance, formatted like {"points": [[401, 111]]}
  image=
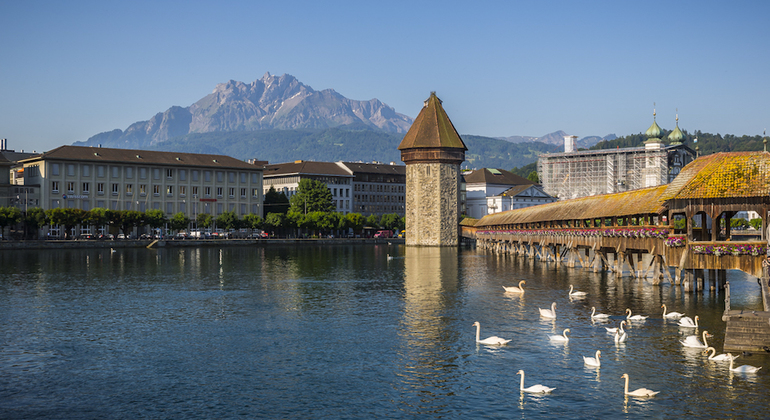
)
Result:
{"points": [[280, 119]]}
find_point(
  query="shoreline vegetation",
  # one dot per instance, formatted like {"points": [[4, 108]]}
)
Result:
{"points": [[171, 243]]}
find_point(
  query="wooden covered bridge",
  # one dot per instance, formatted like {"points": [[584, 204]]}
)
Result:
{"points": [[677, 232]]}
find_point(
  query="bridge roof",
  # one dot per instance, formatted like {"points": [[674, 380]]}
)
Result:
{"points": [[723, 175], [628, 203]]}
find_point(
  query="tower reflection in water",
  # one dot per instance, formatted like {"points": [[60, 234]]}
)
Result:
{"points": [[429, 356]]}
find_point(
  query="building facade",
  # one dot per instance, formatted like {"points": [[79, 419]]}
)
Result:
{"points": [[491, 191], [592, 172], [121, 179], [378, 188], [285, 177]]}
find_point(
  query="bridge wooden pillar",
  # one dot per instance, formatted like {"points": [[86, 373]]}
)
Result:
{"points": [[688, 281], [699, 278], [712, 279]]}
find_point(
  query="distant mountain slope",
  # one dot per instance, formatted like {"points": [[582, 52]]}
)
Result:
{"points": [[343, 143], [557, 138], [272, 102]]}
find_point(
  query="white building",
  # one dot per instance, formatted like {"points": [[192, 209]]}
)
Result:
{"points": [[489, 191]]}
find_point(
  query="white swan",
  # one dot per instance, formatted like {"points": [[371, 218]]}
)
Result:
{"points": [[621, 337], [514, 289], [576, 293], [548, 313], [593, 361], [560, 338], [535, 389], [688, 322], [692, 341], [721, 358], [594, 315], [641, 392], [744, 368], [671, 315], [390, 257], [491, 341], [614, 330], [635, 317]]}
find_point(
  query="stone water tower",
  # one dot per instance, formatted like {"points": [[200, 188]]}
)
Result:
{"points": [[433, 152]]}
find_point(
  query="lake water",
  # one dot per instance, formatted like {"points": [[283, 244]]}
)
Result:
{"points": [[344, 332]]}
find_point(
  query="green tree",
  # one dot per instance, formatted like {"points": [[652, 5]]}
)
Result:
{"points": [[312, 195], [390, 221], [355, 221], [69, 218], [756, 223], [373, 221], [253, 221], [97, 217], [276, 202], [9, 216], [533, 177], [227, 220], [156, 219], [204, 220], [128, 219], [34, 220], [274, 221], [179, 221]]}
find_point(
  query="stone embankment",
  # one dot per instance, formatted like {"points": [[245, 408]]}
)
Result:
{"points": [[72, 244]]}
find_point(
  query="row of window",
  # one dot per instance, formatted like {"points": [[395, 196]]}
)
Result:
{"points": [[379, 198], [156, 189], [170, 207], [380, 188], [129, 171]]}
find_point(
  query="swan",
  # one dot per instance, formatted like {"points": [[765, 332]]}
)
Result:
{"points": [[560, 338], [594, 315], [614, 330], [620, 337], [390, 257], [593, 361], [688, 322], [535, 389], [671, 315], [514, 289], [692, 341], [576, 293], [492, 341], [721, 358], [112, 250], [641, 392], [548, 313], [744, 368], [635, 317]]}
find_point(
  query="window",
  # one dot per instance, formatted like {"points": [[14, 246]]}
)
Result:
{"points": [[243, 192], [182, 191], [100, 189], [243, 177], [55, 186], [169, 190], [207, 176], [255, 192], [86, 187], [195, 191], [219, 191], [169, 208], [195, 176], [182, 175], [55, 169], [182, 207], [115, 189], [207, 191], [243, 209], [143, 189], [129, 172], [129, 189], [169, 173], [156, 173], [220, 176], [231, 192], [254, 178], [86, 170], [231, 177], [156, 190], [70, 188], [219, 208], [116, 172], [142, 173], [100, 171]]}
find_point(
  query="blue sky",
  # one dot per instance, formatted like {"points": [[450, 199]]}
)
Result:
{"points": [[70, 70]]}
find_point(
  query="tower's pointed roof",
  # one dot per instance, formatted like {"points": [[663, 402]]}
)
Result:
{"points": [[676, 136], [432, 129], [654, 132]]}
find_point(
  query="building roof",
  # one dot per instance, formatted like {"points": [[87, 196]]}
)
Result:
{"points": [[432, 129], [581, 153], [495, 176], [303, 167], [628, 203], [518, 189], [146, 157], [723, 175], [375, 168]]}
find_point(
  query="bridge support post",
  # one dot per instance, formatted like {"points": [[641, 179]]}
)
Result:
{"points": [[657, 266], [700, 279], [722, 279], [620, 258], [712, 279], [688, 280]]}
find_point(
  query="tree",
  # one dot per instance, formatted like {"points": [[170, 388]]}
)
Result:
{"points": [[69, 218], [227, 220], [97, 216], [34, 220], [204, 220], [155, 218], [390, 221], [533, 177], [179, 221], [253, 221], [373, 221], [9, 216], [274, 221], [128, 219], [312, 195], [756, 223], [355, 221], [276, 202]]}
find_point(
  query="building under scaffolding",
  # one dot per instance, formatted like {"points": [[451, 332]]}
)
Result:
{"points": [[574, 174]]}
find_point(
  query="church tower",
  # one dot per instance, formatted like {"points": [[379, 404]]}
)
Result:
{"points": [[432, 151]]}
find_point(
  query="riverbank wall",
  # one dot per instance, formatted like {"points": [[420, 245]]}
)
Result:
{"points": [[186, 243]]}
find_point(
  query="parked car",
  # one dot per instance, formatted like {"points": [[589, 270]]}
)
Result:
{"points": [[383, 234]]}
